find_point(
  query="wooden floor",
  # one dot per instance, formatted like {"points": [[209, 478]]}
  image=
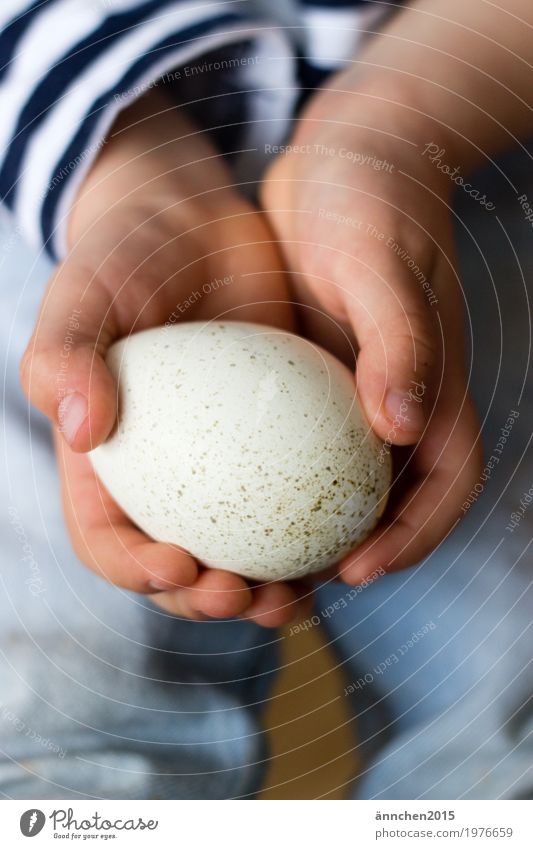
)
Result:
{"points": [[310, 732]]}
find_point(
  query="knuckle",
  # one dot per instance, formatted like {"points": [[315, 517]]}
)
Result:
{"points": [[408, 341]]}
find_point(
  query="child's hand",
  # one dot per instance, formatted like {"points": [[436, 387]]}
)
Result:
{"points": [[371, 245], [156, 219]]}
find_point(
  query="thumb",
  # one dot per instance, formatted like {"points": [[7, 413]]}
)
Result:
{"points": [[395, 371], [63, 371], [397, 330]]}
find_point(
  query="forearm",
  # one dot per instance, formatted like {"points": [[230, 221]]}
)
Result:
{"points": [[154, 155], [460, 68], [458, 73]]}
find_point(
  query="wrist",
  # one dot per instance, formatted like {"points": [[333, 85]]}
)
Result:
{"points": [[154, 159]]}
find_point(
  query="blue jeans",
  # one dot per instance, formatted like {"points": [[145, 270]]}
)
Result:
{"points": [[103, 695]]}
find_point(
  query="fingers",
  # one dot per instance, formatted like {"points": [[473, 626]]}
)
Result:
{"points": [[219, 594], [398, 335], [63, 372], [214, 595], [141, 274], [443, 469], [367, 256], [445, 465], [259, 289], [223, 595], [274, 605], [105, 539], [396, 362]]}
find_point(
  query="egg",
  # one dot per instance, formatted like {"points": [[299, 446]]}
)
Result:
{"points": [[243, 444]]}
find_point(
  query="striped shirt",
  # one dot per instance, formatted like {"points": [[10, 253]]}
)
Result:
{"points": [[67, 68]]}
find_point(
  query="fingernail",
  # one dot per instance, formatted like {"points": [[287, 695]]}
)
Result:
{"points": [[405, 410], [72, 412]]}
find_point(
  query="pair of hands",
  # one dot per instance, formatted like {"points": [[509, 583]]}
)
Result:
{"points": [[158, 216]]}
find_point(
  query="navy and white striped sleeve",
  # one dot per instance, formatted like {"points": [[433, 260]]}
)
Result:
{"points": [[67, 67]]}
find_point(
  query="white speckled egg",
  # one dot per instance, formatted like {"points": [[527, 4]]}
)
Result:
{"points": [[244, 445]]}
